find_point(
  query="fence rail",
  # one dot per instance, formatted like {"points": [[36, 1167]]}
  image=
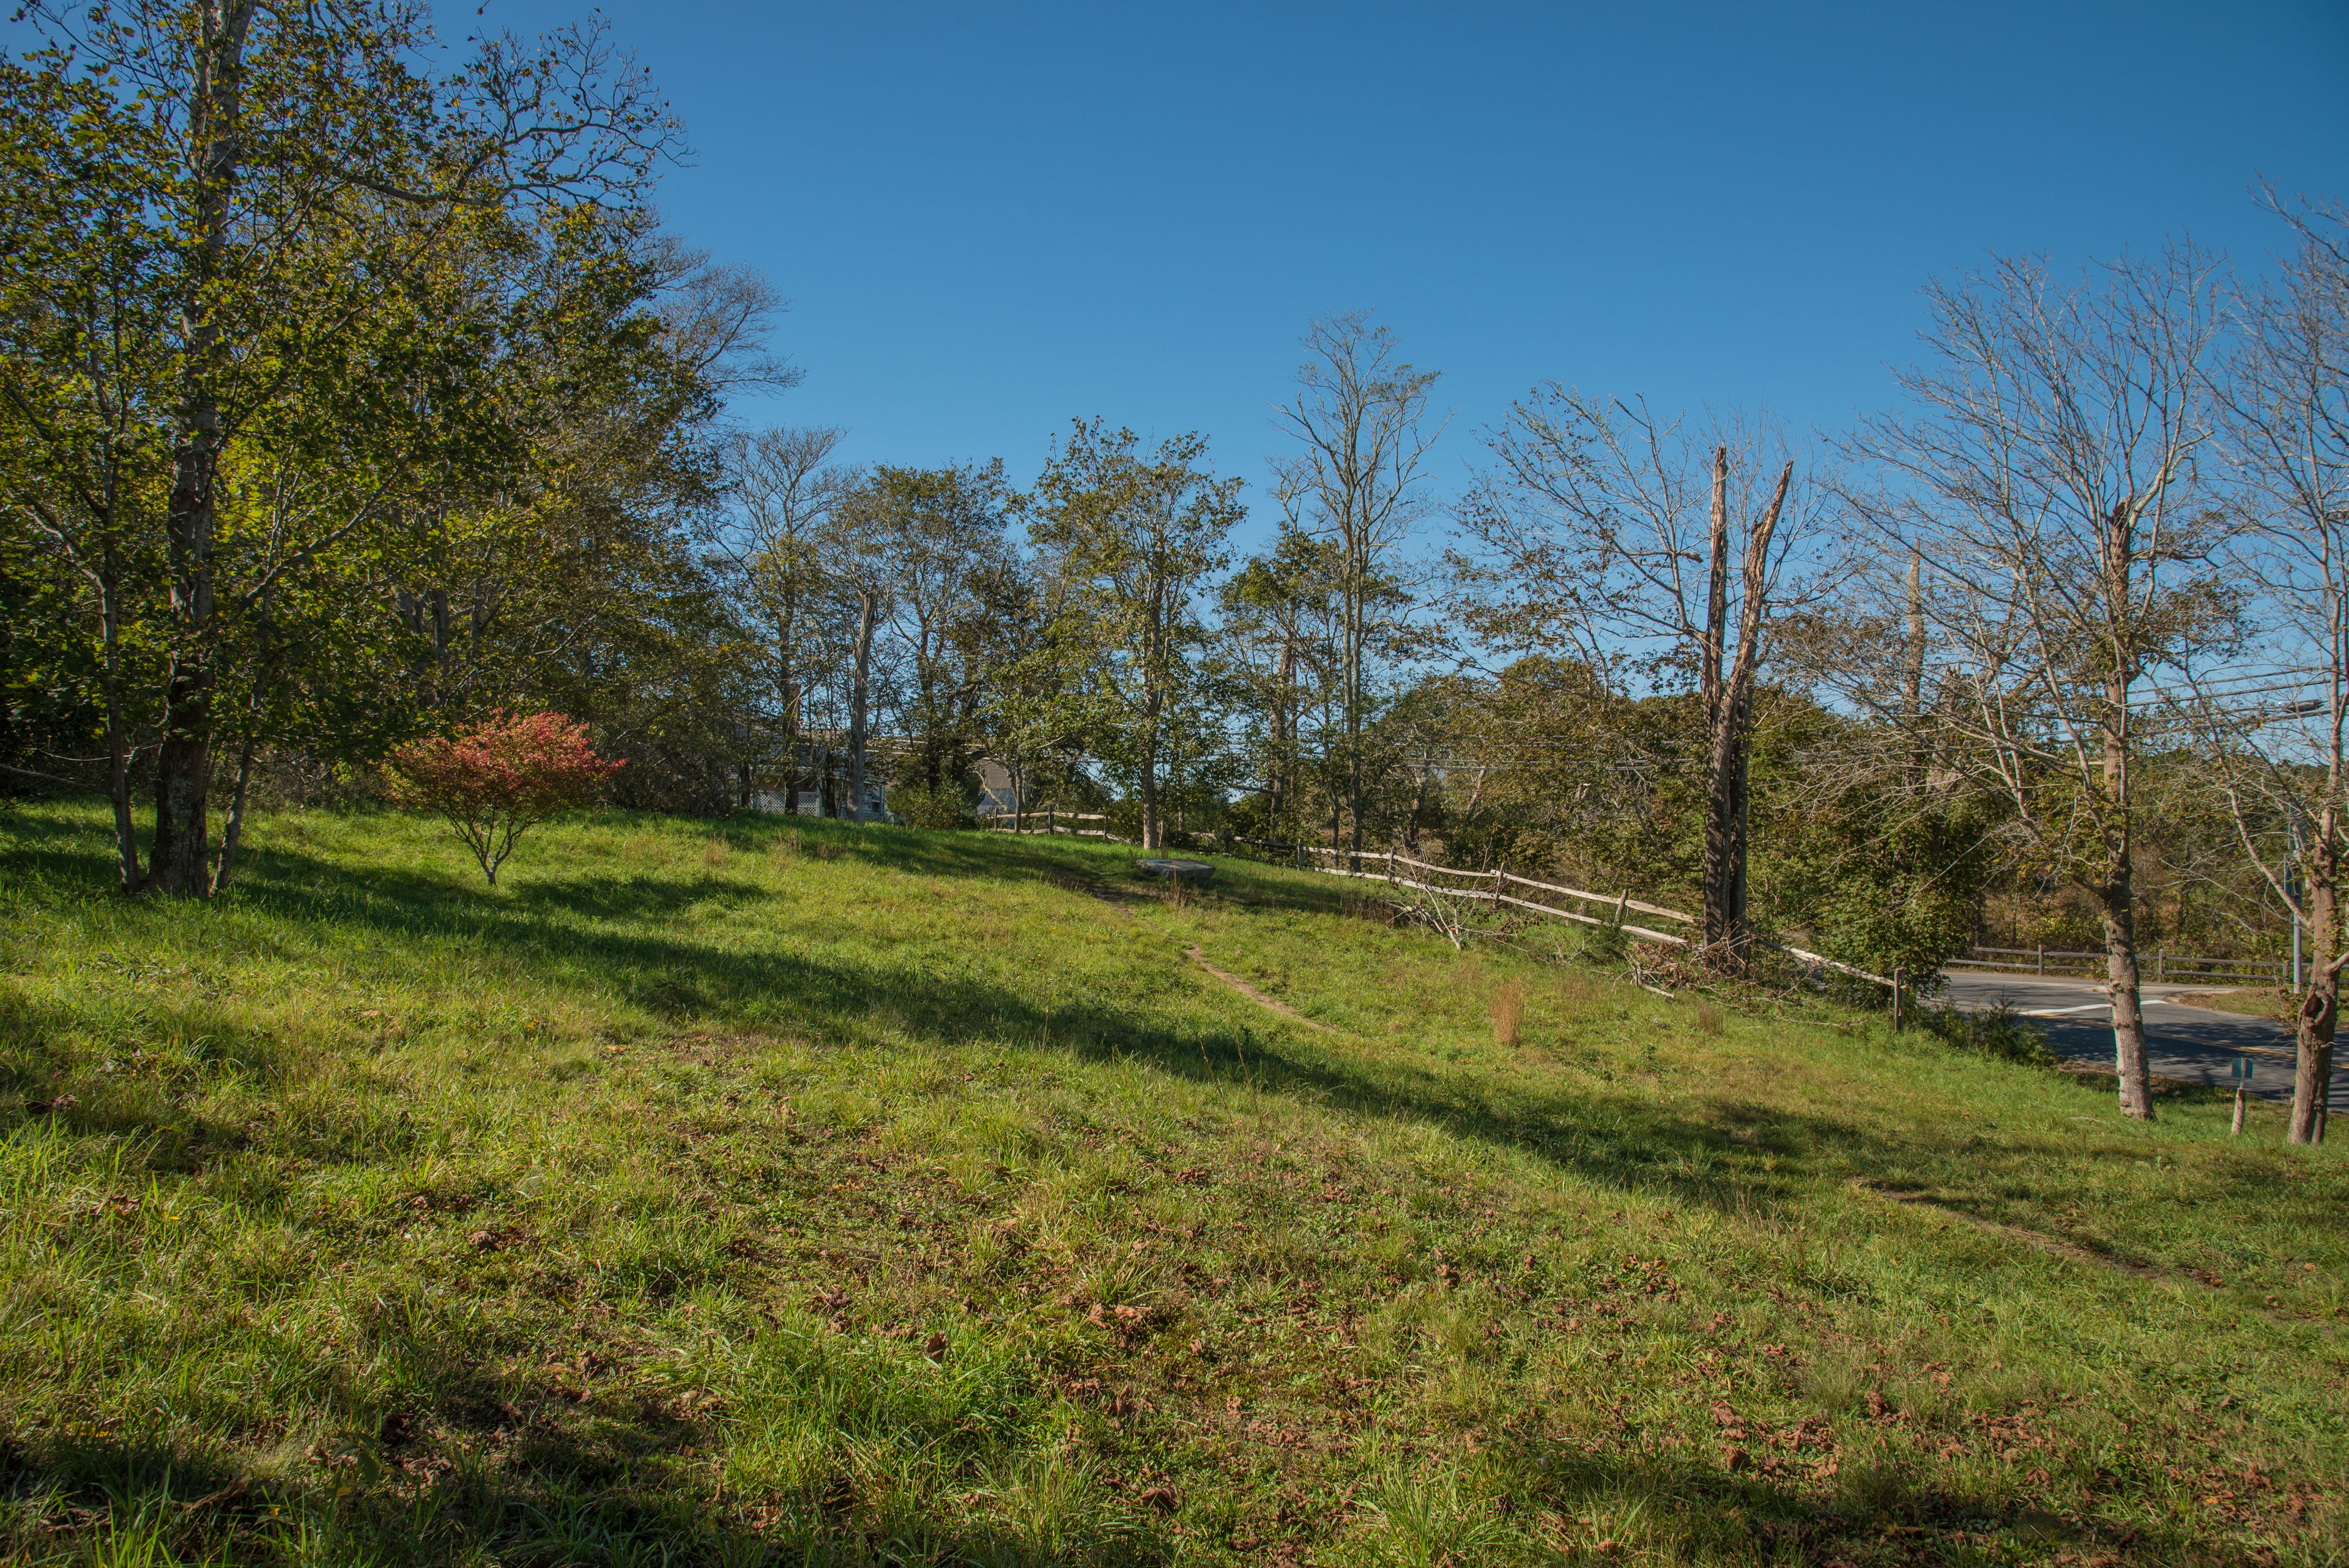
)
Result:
{"points": [[990, 825], [2165, 967], [1500, 878]]}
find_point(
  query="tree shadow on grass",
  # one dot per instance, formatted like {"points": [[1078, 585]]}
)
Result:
{"points": [[1004, 857], [618, 934], [52, 840], [1820, 1507], [621, 1489], [622, 1496], [595, 1495]]}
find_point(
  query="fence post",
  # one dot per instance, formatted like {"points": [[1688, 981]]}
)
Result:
{"points": [[2160, 967], [1897, 1017], [2042, 959], [1500, 875]]}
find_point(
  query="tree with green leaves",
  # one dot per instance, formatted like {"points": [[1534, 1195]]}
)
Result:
{"points": [[1131, 539], [258, 283], [1278, 628], [942, 533]]}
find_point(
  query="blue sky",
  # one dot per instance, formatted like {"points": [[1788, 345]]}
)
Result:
{"points": [[992, 218]]}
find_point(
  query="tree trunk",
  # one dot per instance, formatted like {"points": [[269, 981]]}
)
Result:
{"points": [[1276, 798], [1728, 698], [1149, 836], [1912, 676], [1727, 809], [1351, 677], [178, 861], [118, 739], [1719, 854], [868, 607], [2128, 1015], [2312, 1081], [790, 693], [234, 833], [1354, 802], [1741, 843]]}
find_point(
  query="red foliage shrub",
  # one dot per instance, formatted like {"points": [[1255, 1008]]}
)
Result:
{"points": [[500, 778]]}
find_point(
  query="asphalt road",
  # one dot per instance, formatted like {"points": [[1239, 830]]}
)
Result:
{"points": [[2196, 1045]]}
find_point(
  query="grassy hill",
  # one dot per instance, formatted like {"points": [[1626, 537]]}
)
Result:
{"points": [[801, 1193]]}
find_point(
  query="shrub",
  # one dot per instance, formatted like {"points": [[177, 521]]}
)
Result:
{"points": [[918, 807], [501, 779], [1999, 1033]]}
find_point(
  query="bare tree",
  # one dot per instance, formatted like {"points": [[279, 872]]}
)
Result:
{"points": [[1359, 481], [764, 545], [718, 317], [861, 581], [2283, 409], [1610, 534], [2043, 479]]}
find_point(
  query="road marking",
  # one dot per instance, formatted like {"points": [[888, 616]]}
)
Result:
{"points": [[2092, 1006]]}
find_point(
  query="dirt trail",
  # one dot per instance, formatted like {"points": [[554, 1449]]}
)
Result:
{"points": [[1260, 998], [1122, 901]]}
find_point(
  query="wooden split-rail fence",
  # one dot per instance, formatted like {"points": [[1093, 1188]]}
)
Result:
{"points": [[1495, 892], [1000, 822], [2164, 966]]}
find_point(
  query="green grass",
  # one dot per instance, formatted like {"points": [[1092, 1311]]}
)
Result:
{"points": [[800, 1193]]}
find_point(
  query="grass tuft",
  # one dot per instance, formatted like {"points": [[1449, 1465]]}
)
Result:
{"points": [[1509, 1009]]}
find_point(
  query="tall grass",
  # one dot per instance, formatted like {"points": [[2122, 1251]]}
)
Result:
{"points": [[1507, 1007]]}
